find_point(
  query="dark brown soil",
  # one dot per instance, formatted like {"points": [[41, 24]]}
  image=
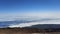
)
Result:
{"points": [[24, 31]]}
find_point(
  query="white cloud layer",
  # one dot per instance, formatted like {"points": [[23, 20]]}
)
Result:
{"points": [[10, 17], [51, 21], [54, 16]]}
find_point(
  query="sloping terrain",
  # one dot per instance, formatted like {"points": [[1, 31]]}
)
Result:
{"points": [[46, 26], [27, 31]]}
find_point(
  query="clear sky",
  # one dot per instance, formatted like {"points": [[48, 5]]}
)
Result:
{"points": [[20, 7], [8, 6]]}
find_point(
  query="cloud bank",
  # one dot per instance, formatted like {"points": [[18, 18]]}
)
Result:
{"points": [[35, 18], [44, 21], [16, 16]]}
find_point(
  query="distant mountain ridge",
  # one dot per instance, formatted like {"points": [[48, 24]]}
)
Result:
{"points": [[45, 26]]}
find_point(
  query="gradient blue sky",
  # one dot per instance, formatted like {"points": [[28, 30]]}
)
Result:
{"points": [[20, 6], [16, 8]]}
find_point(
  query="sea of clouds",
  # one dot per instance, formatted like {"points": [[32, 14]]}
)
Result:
{"points": [[31, 19]]}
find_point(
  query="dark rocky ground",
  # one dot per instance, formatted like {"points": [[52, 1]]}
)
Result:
{"points": [[28, 31]]}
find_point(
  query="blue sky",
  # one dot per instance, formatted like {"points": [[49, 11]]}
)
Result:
{"points": [[17, 8], [13, 6]]}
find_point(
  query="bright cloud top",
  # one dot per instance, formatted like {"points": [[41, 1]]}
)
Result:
{"points": [[40, 18], [10, 17], [48, 21]]}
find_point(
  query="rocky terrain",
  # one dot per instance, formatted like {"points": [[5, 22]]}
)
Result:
{"points": [[28, 31]]}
